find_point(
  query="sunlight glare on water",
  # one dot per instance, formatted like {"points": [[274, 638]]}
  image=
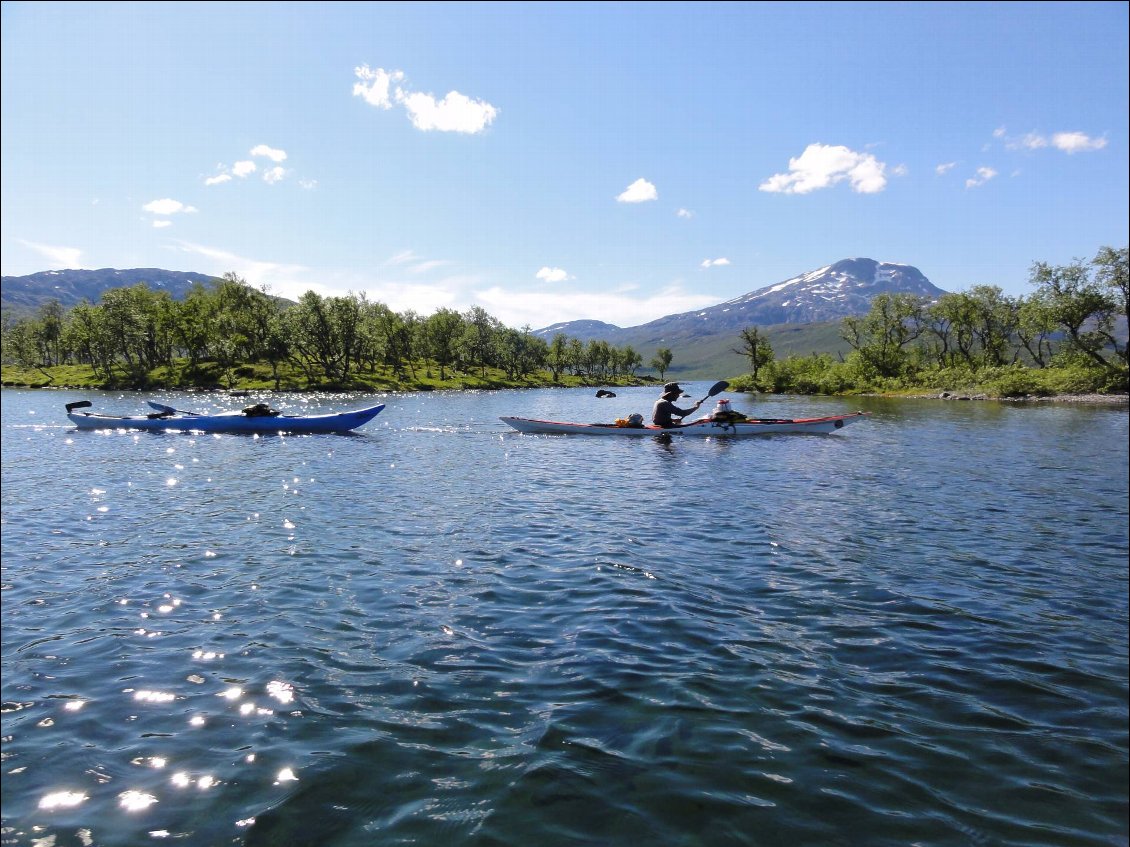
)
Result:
{"points": [[441, 631]]}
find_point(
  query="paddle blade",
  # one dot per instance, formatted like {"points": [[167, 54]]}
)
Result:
{"points": [[168, 410], [80, 404], [716, 388]]}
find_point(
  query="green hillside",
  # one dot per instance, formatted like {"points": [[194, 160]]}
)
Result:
{"points": [[712, 357]]}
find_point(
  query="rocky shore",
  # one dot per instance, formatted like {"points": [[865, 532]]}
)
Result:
{"points": [[1095, 399]]}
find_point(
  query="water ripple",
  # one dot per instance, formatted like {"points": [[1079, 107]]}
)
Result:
{"points": [[441, 632]]}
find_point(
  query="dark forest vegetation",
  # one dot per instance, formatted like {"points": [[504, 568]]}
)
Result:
{"points": [[232, 335], [1067, 337]]}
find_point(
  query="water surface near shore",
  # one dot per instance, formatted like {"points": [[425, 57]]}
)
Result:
{"points": [[441, 631]]}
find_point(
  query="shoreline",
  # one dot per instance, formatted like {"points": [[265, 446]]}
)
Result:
{"points": [[949, 396], [1091, 399]]}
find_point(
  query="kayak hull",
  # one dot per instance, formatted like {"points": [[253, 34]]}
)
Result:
{"points": [[230, 422], [701, 428]]}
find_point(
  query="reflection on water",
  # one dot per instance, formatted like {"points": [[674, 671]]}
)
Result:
{"points": [[441, 631]]}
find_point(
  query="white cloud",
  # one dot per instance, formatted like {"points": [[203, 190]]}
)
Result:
{"points": [[282, 279], [162, 223], [454, 113], [540, 308], [640, 191], [308, 184], [292, 281], [549, 274], [429, 265], [983, 176], [685, 213], [451, 292], [167, 206], [1029, 141], [60, 258], [375, 86], [822, 166], [900, 170], [424, 299], [269, 152], [1067, 142], [245, 167], [402, 257], [1077, 142], [535, 307], [942, 169], [715, 263]]}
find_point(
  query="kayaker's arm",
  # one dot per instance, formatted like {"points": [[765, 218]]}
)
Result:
{"points": [[682, 414]]}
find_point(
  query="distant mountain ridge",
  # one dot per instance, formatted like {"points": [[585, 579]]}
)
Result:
{"points": [[800, 315], [71, 287], [825, 294], [830, 293]]}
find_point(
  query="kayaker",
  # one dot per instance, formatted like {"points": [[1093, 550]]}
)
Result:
{"points": [[665, 411]]}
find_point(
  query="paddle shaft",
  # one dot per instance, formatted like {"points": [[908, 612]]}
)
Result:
{"points": [[161, 407], [715, 389]]}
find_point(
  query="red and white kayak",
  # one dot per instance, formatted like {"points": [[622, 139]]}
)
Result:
{"points": [[704, 427]]}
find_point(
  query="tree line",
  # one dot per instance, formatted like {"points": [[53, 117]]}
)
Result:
{"points": [[134, 331], [1071, 322]]}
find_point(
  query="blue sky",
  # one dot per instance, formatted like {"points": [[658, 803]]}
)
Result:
{"points": [[562, 161]]}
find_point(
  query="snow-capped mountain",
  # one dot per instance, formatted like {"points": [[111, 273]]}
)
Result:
{"points": [[825, 294]]}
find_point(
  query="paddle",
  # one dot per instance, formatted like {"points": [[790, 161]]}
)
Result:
{"points": [[715, 389], [79, 404], [169, 410]]}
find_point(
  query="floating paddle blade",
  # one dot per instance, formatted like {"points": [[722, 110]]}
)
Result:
{"points": [[80, 404]]}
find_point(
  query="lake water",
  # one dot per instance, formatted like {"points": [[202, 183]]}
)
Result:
{"points": [[442, 632]]}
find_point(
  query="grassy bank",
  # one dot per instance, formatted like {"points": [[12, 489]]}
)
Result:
{"points": [[824, 375], [803, 377], [257, 378]]}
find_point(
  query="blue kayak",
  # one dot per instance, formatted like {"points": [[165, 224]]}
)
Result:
{"points": [[168, 418]]}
